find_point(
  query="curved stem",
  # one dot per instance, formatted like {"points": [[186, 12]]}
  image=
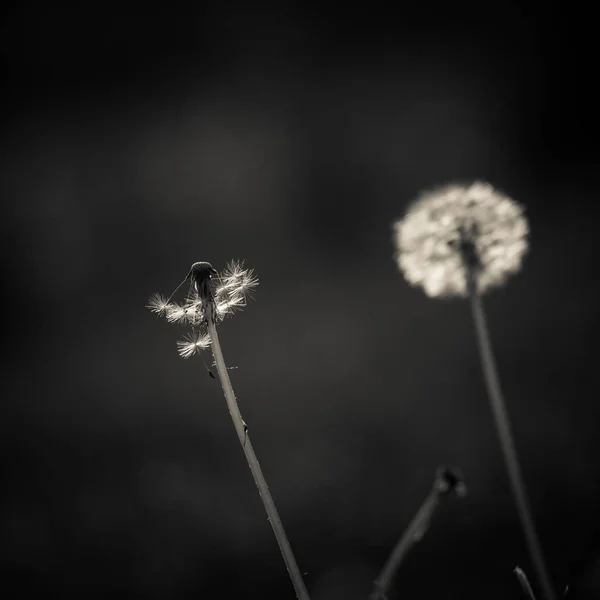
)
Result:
{"points": [[525, 586], [244, 437], [507, 444], [413, 534]]}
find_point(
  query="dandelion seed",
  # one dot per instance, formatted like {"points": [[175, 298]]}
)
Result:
{"points": [[229, 306], [176, 313], [236, 281], [190, 313], [234, 269], [157, 303], [193, 343], [443, 225]]}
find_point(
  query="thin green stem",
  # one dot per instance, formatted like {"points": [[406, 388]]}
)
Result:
{"points": [[244, 437], [507, 444], [413, 534]]}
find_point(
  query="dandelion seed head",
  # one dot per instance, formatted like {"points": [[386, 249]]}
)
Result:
{"points": [[443, 228], [202, 269], [218, 296], [193, 343], [201, 274]]}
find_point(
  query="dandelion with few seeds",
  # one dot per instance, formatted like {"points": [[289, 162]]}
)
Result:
{"points": [[463, 240], [212, 296], [225, 292]]}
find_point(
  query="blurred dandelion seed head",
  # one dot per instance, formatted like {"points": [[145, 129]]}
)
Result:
{"points": [[229, 291], [455, 228]]}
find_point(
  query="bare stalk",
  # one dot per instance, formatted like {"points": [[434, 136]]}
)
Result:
{"points": [[410, 537], [446, 482], [505, 436], [524, 581], [244, 437]]}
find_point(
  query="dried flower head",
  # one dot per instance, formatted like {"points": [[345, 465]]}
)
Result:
{"points": [[456, 229], [226, 292], [450, 480]]}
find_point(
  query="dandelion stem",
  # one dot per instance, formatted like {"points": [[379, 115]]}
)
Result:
{"points": [[447, 482], [505, 436], [524, 581], [242, 432], [413, 534]]}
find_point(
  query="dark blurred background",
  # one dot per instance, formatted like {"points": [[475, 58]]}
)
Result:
{"points": [[136, 141]]}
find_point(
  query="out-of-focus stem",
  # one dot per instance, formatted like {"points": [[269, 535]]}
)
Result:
{"points": [[446, 482], [244, 437], [525, 586], [411, 536], [505, 436]]}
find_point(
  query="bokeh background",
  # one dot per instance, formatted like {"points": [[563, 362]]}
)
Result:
{"points": [[137, 141]]}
